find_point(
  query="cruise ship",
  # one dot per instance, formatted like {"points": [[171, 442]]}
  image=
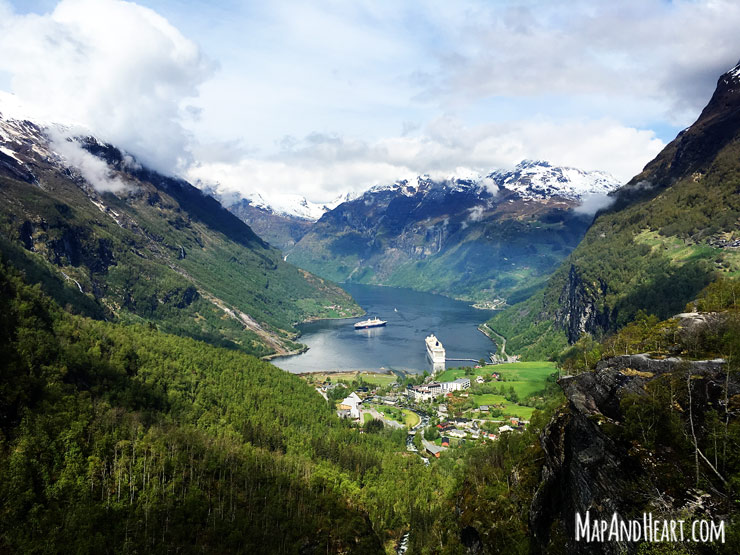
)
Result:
{"points": [[435, 350], [370, 323]]}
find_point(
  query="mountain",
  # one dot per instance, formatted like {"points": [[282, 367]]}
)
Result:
{"points": [[671, 230], [116, 240], [120, 438], [279, 218], [539, 179], [492, 239]]}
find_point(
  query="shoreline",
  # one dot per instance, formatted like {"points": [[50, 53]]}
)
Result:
{"points": [[354, 372]]}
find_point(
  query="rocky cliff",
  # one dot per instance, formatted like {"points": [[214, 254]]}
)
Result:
{"points": [[606, 451]]}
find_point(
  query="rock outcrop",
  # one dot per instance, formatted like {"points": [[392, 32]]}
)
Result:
{"points": [[578, 310], [590, 466]]}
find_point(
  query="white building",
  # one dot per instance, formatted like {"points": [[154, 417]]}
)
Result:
{"points": [[352, 404], [435, 389]]}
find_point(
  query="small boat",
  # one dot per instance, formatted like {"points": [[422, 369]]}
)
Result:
{"points": [[370, 323]]}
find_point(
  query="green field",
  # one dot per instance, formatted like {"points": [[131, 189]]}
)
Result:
{"points": [[510, 409], [367, 417], [516, 372], [408, 418], [527, 378]]}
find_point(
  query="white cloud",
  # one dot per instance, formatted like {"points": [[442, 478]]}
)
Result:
{"points": [[319, 167], [590, 204], [114, 67], [641, 59], [379, 91], [94, 170]]}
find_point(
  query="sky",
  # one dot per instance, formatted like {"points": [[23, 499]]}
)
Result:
{"points": [[328, 97]]}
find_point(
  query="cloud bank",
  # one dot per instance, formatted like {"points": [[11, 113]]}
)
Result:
{"points": [[115, 67], [324, 98], [320, 166]]}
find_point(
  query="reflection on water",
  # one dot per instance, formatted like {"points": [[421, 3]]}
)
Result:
{"points": [[411, 316]]}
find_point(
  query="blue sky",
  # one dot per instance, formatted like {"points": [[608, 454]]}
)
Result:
{"points": [[326, 97]]}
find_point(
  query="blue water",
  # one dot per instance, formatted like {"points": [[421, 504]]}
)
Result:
{"points": [[411, 316]]}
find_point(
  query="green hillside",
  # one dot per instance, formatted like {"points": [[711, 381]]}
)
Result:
{"points": [[502, 255], [121, 439], [671, 231], [159, 251]]}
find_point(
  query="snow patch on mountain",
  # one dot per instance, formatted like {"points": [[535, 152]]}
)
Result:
{"points": [[286, 204], [281, 204], [531, 179], [537, 179]]}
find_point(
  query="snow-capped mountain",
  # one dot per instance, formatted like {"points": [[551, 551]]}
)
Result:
{"points": [[541, 180], [286, 204], [280, 204], [531, 179]]}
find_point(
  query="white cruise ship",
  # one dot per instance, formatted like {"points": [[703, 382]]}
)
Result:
{"points": [[435, 350], [370, 323]]}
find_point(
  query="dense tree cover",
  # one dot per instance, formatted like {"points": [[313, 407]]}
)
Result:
{"points": [[159, 251], [124, 439], [495, 491], [654, 254]]}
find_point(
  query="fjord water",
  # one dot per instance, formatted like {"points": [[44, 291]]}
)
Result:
{"points": [[411, 316]]}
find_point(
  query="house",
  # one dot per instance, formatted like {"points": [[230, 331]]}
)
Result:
{"points": [[462, 422], [505, 428], [425, 392], [484, 408], [343, 413], [514, 421], [479, 379], [445, 442], [456, 433], [352, 404], [433, 450]]}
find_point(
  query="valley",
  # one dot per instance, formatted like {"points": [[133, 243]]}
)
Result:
{"points": [[180, 370], [491, 240]]}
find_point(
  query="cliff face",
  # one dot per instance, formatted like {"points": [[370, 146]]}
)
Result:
{"points": [[669, 232], [595, 461], [578, 311]]}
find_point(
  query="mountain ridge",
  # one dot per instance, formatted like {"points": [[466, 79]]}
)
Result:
{"points": [[486, 239], [133, 244], [669, 232]]}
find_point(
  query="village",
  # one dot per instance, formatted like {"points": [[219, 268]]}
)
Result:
{"points": [[450, 409]]}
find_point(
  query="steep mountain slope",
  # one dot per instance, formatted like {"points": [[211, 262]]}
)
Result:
{"points": [[671, 230], [279, 218], [118, 240], [280, 230], [491, 239], [120, 438]]}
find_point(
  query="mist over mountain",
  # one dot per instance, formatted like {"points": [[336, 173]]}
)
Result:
{"points": [[118, 240], [671, 230], [489, 238]]}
